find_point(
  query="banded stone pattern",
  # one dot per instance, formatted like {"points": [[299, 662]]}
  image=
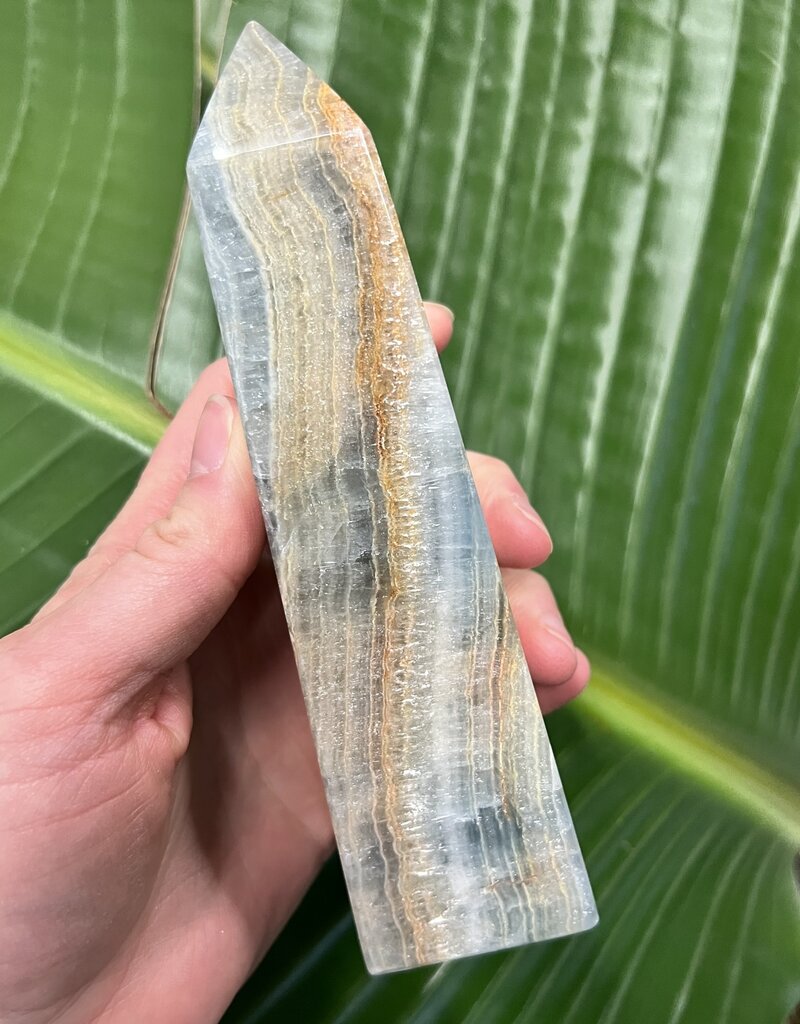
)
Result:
{"points": [[451, 822]]}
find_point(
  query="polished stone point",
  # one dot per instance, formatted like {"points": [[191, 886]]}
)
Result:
{"points": [[452, 826]]}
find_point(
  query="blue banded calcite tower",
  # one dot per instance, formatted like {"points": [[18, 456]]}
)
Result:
{"points": [[450, 818]]}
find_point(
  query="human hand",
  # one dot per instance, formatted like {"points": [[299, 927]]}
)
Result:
{"points": [[161, 810]]}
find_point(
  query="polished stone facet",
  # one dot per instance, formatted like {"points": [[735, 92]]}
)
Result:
{"points": [[449, 814]]}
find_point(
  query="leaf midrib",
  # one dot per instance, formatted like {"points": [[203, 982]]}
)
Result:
{"points": [[105, 398], [639, 716]]}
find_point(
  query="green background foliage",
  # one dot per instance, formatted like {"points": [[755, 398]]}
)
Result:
{"points": [[608, 195]]}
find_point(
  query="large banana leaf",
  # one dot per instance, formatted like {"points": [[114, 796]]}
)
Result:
{"points": [[608, 194], [95, 118]]}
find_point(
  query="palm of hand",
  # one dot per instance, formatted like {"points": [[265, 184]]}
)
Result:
{"points": [[260, 820], [162, 811]]}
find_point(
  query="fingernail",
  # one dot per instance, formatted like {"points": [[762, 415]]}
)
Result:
{"points": [[445, 309], [212, 437], [553, 625], [525, 509]]}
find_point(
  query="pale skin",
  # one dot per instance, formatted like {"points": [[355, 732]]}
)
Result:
{"points": [[161, 810]]}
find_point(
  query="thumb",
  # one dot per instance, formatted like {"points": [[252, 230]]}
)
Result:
{"points": [[156, 604]]}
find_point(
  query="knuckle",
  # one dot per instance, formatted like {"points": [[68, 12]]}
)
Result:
{"points": [[542, 590], [496, 482], [179, 545], [503, 469], [500, 469], [489, 465], [169, 537]]}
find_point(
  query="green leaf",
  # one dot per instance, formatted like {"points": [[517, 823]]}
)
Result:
{"points": [[608, 195], [95, 122]]}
